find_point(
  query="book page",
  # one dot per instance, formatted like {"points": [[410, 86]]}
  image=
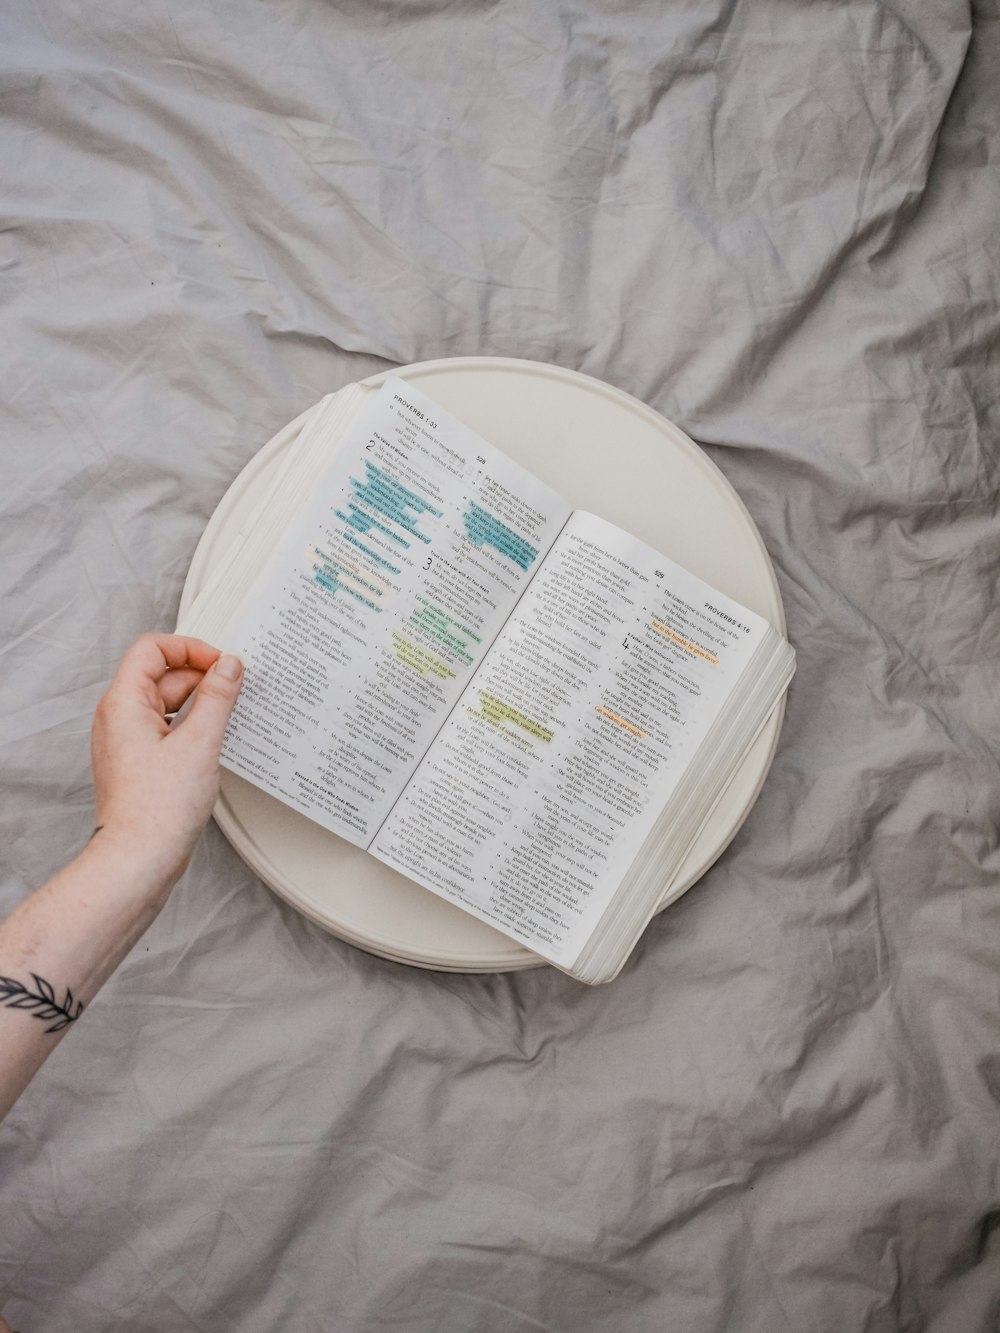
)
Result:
{"points": [[544, 783], [377, 606]]}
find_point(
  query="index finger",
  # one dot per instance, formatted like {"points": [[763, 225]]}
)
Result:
{"points": [[152, 656]]}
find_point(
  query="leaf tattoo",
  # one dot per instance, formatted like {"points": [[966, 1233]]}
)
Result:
{"points": [[41, 1003]]}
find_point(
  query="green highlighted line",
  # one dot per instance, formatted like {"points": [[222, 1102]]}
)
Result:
{"points": [[437, 625], [469, 634]]}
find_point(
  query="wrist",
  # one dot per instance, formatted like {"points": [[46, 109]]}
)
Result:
{"points": [[138, 862]]}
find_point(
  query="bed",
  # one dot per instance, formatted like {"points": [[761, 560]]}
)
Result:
{"points": [[776, 225]]}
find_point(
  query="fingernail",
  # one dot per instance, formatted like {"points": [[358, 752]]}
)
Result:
{"points": [[229, 667]]}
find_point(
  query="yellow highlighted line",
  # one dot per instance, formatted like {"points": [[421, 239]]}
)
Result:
{"points": [[496, 713], [668, 633], [620, 721]]}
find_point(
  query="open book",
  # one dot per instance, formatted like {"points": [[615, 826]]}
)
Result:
{"points": [[519, 706]]}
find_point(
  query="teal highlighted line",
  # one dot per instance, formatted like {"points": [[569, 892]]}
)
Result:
{"points": [[484, 529], [332, 567], [334, 585], [363, 522], [328, 575], [382, 494]]}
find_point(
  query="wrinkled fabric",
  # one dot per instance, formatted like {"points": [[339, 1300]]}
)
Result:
{"points": [[777, 225]]}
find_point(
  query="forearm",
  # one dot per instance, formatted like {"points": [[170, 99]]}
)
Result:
{"points": [[154, 784], [71, 935]]}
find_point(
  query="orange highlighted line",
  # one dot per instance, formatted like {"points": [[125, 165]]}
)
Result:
{"points": [[668, 633], [362, 573], [613, 717]]}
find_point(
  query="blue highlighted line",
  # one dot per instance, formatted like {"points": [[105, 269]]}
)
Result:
{"points": [[334, 585], [484, 529]]}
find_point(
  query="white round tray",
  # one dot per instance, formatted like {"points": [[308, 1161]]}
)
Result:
{"points": [[606, 453]]}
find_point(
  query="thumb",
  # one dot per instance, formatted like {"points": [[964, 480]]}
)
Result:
{"points": [[213, 702]]}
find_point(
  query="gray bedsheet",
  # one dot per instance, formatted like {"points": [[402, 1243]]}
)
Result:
{"points": [[775, 223]]}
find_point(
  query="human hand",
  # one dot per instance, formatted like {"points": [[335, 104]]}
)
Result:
{"points": [[155, 785]]}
